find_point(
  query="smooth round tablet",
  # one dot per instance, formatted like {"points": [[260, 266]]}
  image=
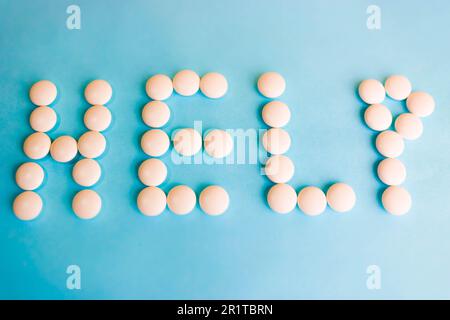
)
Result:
{"points": [[218, 143], [43, 93], [43, 119], [152, 172], [186, 83], [91, 144], [187, 142], [181, 200], [282, 198], [271, 85], [151, 201], [37, 145], [64, 149], [279, 169], [390, 144], [396, 200], [155, 142], [97, 118], [98, 92], [421, 104], [159, 87], [276, 141], [276, 114], [27, 205], [409, 126], [29, 176], [87, 204], [398, 87], [312, 201], [391, 171], [341, 197], [86, 172], [372, 91], [378, 117], [214, 200], [213, 85], [156, 114]]}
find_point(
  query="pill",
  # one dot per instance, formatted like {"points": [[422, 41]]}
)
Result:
{"points": [[186, 83], [86, 172], [29, 176], [86, 204], [214, 200], [159, 87], [156, 114], [271, 84], [372, 91], [91, 144], [312, 201], [276, 114], [378, 117], [27, 205], [391, 171], [213, 85], [187, 142], [396, 200], [43, 93], [409, 126], [341, 197], [64, 149], [279, 169], [276, 141], [37, 145], [218, 143], [152, 172], [421, 104], [398, 87], [151, 201], [282, 198], [43, 119], [98, 92], [181, 200], [97, 118], [155, 142], [390, 144]]}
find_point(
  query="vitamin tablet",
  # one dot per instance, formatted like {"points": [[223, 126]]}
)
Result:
{"points": [[312, 201], [276, 141], [43, 119], [97, 118], [43, 93], [372, 91], [187, 142], [214, 200], [396, 200], [86, 172], [159, 87], [276, 114], [98, 92], [27, 205], [155, 142], [186, 83], [37, 145], [421, 104], [86, 204], [152, 172], [409, 126], [271, 84], [91, 144], [341, 197], [390, 144], [29, 176], [64, 149], [156, 114], [378, 117], [218, 143], [391, 171], [279, 169], [151, 201], [181, 200], [282, 198], [213, 85], [398, 87]]}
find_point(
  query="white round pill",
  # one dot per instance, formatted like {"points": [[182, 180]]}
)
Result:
{"points": [[279, 169], [181, 200], [421, 104], [214, 85], [390, 144], [86, 172], [155, 142], [186, 83], [159, 87], [97, 118], [398, 87], [282, 198], [91, 144], [372, 91], [276, 141], [152, 172], [312, 201], [409, 126], [43, 93], [64, 149], [378, 117], [218, 143], [86, 204], [276, 114], [391, 171], [98, 92], [27, 205], [214, 200], [187, 142], [151, 201], [29, 176], [271, 85], [43, 119], [396, 200], [37, 145], [156, 114], [341, 197]]}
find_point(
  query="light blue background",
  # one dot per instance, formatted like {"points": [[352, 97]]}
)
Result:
{"points": [[323, 49]]}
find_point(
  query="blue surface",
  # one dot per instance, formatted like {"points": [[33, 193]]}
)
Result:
{"points": [[323, 49]]}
